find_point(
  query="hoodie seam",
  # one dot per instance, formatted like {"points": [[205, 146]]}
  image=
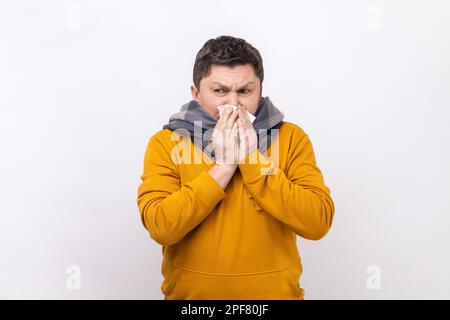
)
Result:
{"points": [[235, 274]]}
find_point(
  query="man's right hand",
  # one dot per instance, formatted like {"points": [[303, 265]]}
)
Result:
{"points": [[225, 139]]}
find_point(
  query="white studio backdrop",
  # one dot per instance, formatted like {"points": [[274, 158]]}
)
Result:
{"points": [[85, 84]]}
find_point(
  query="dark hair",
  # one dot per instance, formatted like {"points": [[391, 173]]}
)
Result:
{"points": [[228, 51]]}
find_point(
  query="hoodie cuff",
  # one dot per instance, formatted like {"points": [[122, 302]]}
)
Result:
{"points": [[256, 166], [209, 188]]}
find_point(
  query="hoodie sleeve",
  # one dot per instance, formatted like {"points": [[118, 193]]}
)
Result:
{"points": [[298, 197], [168, 209]]}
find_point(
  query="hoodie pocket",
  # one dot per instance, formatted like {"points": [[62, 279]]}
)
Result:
{"points": [[169, 283], [294, 273]]}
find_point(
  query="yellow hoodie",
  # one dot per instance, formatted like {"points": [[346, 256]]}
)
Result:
{"points": [[237, 243]]}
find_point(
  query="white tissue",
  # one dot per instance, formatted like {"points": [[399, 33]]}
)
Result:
{"points": [[223, 107]]}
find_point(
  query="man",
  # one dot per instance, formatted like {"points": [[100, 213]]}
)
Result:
{"points": [[228, 223]]}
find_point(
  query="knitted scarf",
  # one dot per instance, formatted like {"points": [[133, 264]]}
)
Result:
{"points": [[192, 118]]}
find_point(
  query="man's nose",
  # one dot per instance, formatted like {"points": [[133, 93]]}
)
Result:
{"points": [[233, 99]]}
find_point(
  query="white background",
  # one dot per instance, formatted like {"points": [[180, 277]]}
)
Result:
{"points": [[85, 84]]}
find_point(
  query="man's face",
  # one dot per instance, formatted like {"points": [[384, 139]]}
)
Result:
{"points": [[228, 85]]}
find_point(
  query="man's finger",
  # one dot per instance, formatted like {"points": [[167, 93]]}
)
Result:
{"points": [[231, 119], [243, 115], [241, 130], [223, 118]]}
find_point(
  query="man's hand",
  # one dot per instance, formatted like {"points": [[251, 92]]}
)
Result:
{"points": [[226, 148], [225, 139], [247, 134]]}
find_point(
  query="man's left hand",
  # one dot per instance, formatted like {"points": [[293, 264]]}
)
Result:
{"points": [[247, 134]]}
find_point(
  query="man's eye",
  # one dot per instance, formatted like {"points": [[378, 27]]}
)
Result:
{"points": [[218, 90], [245, 90]]}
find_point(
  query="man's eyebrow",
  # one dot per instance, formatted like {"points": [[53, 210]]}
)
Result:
{"points": [[217, 82]]}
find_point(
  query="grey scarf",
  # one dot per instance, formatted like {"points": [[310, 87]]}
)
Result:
{"points": [[192, 119]]}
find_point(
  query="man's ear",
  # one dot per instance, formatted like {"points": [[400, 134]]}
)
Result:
{"points": [[194, 92]]}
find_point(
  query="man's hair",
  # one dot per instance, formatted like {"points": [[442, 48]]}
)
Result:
{"points": [[228, 51]]}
